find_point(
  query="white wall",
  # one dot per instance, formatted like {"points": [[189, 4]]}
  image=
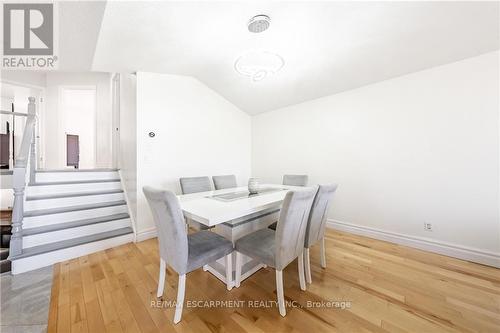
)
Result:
{"points": [[198, 133], [423, 147], [55, 154], [127, 161]]}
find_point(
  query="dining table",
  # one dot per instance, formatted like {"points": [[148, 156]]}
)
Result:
{"points": [[234, 213]]}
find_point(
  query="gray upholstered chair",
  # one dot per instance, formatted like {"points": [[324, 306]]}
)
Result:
{"points": [[315, 231], [278, 249], [183, 252], [295, 180], [292, 180], [195, 184], [222, 182]]}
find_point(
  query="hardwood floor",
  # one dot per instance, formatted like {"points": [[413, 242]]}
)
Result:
{"points": [[390, 288]]}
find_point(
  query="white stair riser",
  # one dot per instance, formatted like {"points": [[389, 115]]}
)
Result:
{"points": [[71, 201], [71, 176], [60, 235], [50, 258], [72, 188], [50, 219]]}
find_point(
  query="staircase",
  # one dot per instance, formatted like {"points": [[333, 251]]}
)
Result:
{"points": [[71, 213]]}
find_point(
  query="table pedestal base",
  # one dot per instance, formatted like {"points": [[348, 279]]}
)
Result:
{"points": [[233, 231]]}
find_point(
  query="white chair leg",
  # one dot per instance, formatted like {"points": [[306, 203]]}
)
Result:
{"points": [[279, 292], [161, 278], [238, 269], [323, 254], [229, 271], [181, 288], [302, 279], [307, 265]]}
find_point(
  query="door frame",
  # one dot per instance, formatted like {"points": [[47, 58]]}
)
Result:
{"points": [[62, 122], [115, 123]]}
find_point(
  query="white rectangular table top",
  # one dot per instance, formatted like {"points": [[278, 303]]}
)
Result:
{"points": [[208, 211]]}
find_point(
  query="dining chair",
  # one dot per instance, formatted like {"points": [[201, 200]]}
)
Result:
{"points": [[280, 248], [295, 180], [184, 253], [195, 184], [222, 182], [292, 180], [315, 230]]}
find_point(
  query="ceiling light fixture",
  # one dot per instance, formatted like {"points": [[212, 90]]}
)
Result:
{"points": [[258, 64], [259, 23]]}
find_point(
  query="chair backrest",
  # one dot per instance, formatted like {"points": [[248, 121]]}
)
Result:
{"points": [[295, 180], [292, 224], [170, 225], [319, 212], [221, 182], [195, 184]]}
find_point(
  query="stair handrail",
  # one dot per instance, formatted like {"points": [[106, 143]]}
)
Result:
{"points": [[25, 161]]}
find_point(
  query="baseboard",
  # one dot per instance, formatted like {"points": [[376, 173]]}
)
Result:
{"points": [[447, 249], [145, 234]]}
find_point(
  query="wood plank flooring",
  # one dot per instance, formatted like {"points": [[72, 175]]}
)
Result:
{"points": [[390, 288]]}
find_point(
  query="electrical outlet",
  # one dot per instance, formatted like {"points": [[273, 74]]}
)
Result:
{"points": [[427, 226]]}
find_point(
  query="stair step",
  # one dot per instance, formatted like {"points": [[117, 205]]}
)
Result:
{"points": [[53, 203], [69, 182], [74, 232], [76, 170], [73, 208], [72, 187], [4, 253], [70, 194], [74, 224], [36, 250], [74, 176]]}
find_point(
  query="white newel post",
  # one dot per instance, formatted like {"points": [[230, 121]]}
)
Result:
{"points": [[16, 240]]}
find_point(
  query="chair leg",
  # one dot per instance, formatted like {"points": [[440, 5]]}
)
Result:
{"points": [[279, 292], [323, 254], [238, 269], [161, 278], [229, 271], [179, 304], [302, 279], [307, 265]]}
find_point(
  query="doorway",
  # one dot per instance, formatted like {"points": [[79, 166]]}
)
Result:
{"points": [[78, 121]]}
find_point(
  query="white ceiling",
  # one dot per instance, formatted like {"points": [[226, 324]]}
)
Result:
{"points": [[328, 47]]}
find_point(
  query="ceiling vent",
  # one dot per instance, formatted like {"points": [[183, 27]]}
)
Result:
{"points": [[259, 23]]}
